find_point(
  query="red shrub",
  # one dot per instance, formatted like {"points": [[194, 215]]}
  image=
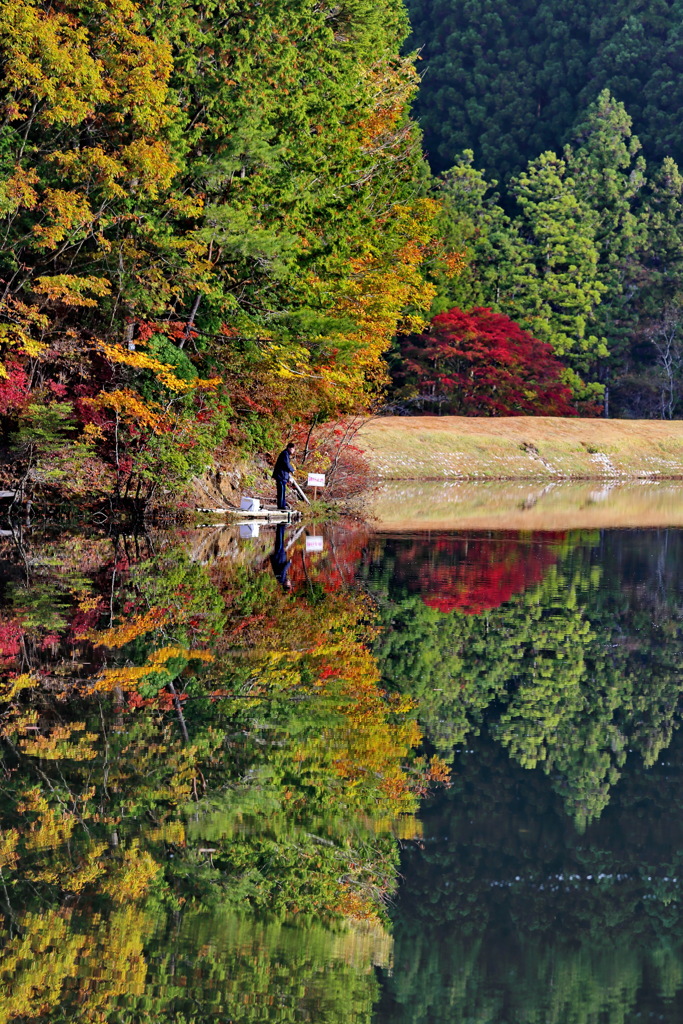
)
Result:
{"points": [[483, 364], [13, 389]]}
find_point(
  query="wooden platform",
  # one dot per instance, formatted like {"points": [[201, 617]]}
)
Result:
{"points": [[264, 515]]}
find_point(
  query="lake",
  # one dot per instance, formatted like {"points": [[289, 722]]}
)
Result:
{"points": [[418, 773]]}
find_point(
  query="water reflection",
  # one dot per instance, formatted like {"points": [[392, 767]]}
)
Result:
{"points": [[210, 778], [568, 674], [548, 883], [409, 506], [507, 914], [184, 742], [472, 572], [279, 560]]}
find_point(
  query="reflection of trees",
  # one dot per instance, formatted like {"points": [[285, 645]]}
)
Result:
{"points": [[154, 963], [335, 567], [569, 675], [214, 962], [474, 573], [131, 845], [508, 915], [212, 747]]}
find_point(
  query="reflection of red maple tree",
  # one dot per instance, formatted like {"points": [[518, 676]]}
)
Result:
{"points": [[11, 632], [474, 573]]}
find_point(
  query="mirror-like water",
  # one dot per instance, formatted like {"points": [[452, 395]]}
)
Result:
{"points": [[221, 754], [408, 506]]}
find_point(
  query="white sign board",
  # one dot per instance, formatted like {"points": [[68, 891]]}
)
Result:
{"points": [[249, 530], [316, 479], [315, 544]]}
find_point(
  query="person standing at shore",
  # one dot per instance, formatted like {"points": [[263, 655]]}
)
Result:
{"points": [[282, 472]]}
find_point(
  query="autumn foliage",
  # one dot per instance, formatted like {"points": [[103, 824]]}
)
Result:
{"points": [[197, 255], [481, 363], [475, 574], [199, 684]]}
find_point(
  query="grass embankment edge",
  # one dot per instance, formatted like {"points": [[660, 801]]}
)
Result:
{"points": [[521, 448]]}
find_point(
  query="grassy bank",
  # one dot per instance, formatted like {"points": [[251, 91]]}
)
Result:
{"points": [[522, 448]]}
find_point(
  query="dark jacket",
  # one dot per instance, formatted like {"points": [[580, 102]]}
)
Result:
{"points": [[283, 467]]}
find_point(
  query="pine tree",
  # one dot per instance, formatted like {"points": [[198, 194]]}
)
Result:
{"points": [[499, 271], [562, 234], [609, 177]]}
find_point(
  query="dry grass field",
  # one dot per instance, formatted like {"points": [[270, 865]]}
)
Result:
{"points": [[522, 448]]}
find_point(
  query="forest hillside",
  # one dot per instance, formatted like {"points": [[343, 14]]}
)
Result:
{"points": [[219, 227], [510, 80], [214, 221], [554, 134]]}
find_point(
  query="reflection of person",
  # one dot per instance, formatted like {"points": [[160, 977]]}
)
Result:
{"points": [[279, 560], [282, 472]]}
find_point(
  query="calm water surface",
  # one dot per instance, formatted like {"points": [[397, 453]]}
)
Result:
{"points": [[341, 776]]}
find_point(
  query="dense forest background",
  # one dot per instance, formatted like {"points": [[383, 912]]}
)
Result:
{"points": [[219, 225], [510, 80], [572, 114]]}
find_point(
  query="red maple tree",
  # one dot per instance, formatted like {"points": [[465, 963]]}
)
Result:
{"points": [[481, 363], [14, 387]]}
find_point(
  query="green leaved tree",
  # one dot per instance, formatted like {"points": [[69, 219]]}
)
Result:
{"points": [[561, 232]]}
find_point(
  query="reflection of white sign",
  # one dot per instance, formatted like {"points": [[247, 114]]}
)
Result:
{"points": [[316, 479], [248, 530], [315, 544]]}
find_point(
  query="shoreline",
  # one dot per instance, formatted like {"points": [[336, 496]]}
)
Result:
{"points": [[523, 448], [473, 478]]}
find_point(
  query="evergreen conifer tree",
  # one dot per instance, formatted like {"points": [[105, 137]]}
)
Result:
{"points": [[561, 231]]}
